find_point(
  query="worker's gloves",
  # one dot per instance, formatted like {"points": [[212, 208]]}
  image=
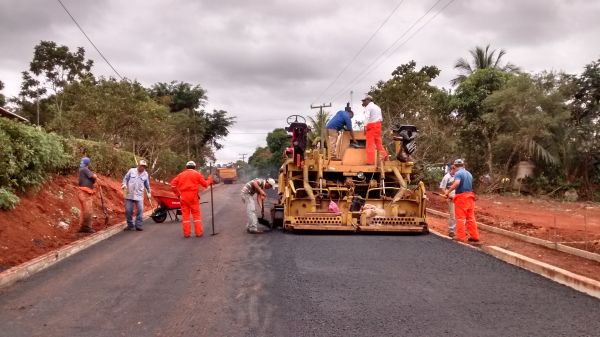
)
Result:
{"points": [[210, 180], [124, 190]]}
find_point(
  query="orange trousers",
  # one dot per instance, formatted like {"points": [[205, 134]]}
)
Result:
{"points": [[190, 203], [464, 210], [86, 199], [373, 136]]}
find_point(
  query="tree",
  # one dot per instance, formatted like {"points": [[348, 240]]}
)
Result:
{"points": [[481, 59], [476, 134], [53, 67], [2, 97], [261, 161], [585, 107], [179, 96], [408, 97], [317, 126]]}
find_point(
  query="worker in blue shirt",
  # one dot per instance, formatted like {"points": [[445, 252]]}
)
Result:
{"points": [[341, 119]]}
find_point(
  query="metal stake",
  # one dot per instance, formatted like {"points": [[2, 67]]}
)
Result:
{"points": [[212, 208]]}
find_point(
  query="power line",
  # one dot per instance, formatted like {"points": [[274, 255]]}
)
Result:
{"points": [[90, 40], [405, 41], [359, 51], [367, 70]]}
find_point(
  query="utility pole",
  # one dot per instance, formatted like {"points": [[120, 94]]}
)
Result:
{"points": [[322, 131], [243, 155]]}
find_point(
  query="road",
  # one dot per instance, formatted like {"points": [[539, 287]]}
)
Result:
{"points": [[156, 283]]}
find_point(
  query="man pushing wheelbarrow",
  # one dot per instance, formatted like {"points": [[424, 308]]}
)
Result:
{"points": [[186, 186]]}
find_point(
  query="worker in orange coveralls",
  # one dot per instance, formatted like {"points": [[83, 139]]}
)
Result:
{"points": [[186, 185], [373, 120], [464, 203]]}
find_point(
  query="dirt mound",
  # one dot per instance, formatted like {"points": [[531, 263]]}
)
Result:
{"points": [[48, 217]]}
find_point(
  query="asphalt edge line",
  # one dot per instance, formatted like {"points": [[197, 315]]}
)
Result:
{"points": [[35, 265], [540, 242], [578, 282]]}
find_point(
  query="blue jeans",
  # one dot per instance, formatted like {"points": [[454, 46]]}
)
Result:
{"points": [[129, 211]]}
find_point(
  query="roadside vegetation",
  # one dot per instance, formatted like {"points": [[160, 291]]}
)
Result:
{"points": [[495, 117], [114, 121]]}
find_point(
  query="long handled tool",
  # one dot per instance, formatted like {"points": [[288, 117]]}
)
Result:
{"points": [[212, 208], [104, 210], [443, 196]]}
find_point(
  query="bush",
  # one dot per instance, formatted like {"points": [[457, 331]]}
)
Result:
{"points": [[8, 200], [106, 159], [28, 155]]}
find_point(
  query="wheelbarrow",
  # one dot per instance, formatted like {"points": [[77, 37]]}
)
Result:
{"points": [[167, 206]]}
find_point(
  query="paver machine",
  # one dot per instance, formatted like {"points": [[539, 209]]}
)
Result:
{"points": [[320, 192]]}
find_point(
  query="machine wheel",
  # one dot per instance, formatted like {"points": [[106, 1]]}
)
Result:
{"points": [[159, 215]]}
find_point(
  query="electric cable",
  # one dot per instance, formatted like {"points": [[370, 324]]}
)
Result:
{"points": [[90, 40], [359, 51]]}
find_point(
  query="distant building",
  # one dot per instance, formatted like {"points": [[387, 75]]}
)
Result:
{"points": [[11, 115]]}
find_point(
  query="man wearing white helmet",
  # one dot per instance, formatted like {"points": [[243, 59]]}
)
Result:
{"points": [[256, 186], [186, 186]]}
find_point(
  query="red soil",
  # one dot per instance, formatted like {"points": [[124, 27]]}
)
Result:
{"points": [[32, 228], [572, 223]]}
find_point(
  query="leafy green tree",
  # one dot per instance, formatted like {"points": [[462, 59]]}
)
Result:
{"points": [[2, 97], [318, 124], [216, 126], [482, 59], [277, 141], [179, 95], [525, 115], [585, 107], [53, 67], [475, 133], [261, 162], [410, 98]]}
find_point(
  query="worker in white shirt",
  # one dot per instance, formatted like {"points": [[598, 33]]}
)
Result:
{"points": [[373, 130]]}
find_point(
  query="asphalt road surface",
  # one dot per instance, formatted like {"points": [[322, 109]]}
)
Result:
{"points": [[156, 283]]}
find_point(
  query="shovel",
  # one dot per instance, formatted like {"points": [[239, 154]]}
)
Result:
{"points": [[104, 210], [262, 219]]}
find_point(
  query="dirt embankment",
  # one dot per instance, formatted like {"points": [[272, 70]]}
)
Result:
{"points": [[47, 218], [573, 223]]}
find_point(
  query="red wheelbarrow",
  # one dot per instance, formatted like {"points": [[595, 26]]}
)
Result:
{"points": [[166, 206]]}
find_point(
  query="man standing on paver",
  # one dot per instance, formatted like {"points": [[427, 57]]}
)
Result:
{"points": [[464, 202], [373, 119], [341, 119], [85, 194], [256, 186], [444, 186], [134, 183], [186, 186]]}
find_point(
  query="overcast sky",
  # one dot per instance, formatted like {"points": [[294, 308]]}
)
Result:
{"points": [[264, 60]]}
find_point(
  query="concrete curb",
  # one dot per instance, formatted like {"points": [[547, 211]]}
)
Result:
{"points": [[541, 242], [572, 280], [29, 268]]}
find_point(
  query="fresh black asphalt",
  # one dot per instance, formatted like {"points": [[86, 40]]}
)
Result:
{"points": [[156, 283]]}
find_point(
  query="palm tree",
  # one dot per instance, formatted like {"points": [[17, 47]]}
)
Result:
{"points": [[317, 126], [482, 59]]}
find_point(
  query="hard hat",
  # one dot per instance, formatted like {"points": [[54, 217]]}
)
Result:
{"points": [[190, 163], [367, 97], [143, 163], [271, 182]]}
